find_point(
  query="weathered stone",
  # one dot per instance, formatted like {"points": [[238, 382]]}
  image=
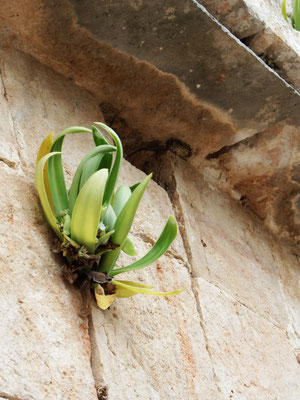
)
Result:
{"points": [[224, 244], [153, 347], [44, 344], [265, 171], [252, 358], [261, 26], [41, 101]]}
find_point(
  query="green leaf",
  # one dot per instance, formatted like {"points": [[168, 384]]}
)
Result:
{"points": [[122, 195], [67, 225], [122, 226], [87, 209], [296, 14], [41, 188], [74, 189], [109, 218], [133, 187], [114, 174], [90, 167], [136, 289], [161, 246], [283, 10], [128, 247], [98, 136], [55, 171]]}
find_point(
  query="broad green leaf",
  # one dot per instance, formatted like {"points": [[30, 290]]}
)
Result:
{"points": [[55, 171], [109, 218], [87, 209], [133, 187], [283, 10], [103, 301], [89, 168], [122, 195], [43, 150], [41, 188], [106, 161], [128, 247], [161, 246], [122, 226], [98, 136], [74, 189], [296, 14], [114, 174], [137, 289]]}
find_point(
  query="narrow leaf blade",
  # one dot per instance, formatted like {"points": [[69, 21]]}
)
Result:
{"points": [[114, 174], [161, 246], [55, 171], [41, 188], [137, 289], [122, 225]]}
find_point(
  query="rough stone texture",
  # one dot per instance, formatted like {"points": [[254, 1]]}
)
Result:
{"points": [[261, 26], [146, 347], [153, 348], [215, 95], [45, 346], [265, 171], [225, 246], [234, 333], [252, 358]]}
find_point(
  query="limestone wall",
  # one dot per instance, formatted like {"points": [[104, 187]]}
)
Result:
{"points": [[233, 334]]}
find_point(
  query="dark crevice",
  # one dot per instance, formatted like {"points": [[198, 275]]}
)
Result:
{"points": [[248, 39], [249, 142], [133, 139]]}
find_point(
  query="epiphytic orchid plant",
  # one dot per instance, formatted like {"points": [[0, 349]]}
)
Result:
{"points": [[92, 219]]}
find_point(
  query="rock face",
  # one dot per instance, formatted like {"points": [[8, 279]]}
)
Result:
{"points": [[225, 174]]}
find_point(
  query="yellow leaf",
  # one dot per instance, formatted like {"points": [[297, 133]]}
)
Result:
{"points": [[136, 288], [126, 292], [44, 150], [103, 301]]}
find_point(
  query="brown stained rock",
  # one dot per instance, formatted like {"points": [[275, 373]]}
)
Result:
{"points": [[252, 358], [264, 170], [152, 347], [148, 100]]}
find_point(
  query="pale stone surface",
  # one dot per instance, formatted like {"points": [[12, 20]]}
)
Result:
{"points": [[226, 246], [40, 101], [44, 344], [148, 347], [252, 358]]}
